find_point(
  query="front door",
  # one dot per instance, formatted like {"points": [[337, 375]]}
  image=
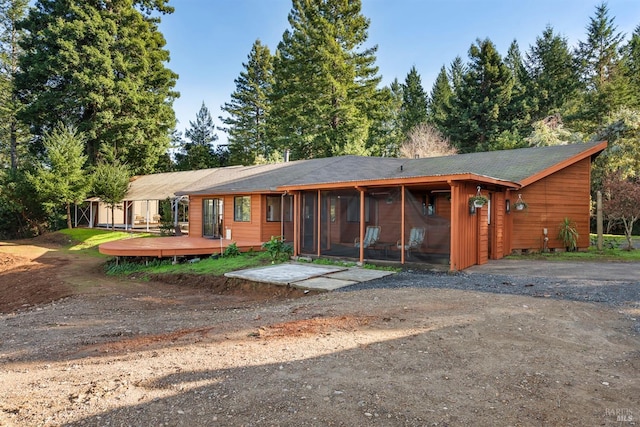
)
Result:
{"points": [[212, 218]]}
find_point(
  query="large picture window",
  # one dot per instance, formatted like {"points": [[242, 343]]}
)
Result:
{"points": [[242, 208]]}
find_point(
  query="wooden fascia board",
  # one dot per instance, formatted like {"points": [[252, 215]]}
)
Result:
{"points": [[595, 150], [234, 193], [444, 179]]}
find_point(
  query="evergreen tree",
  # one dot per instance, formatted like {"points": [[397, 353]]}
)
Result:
{"points": [[457, 70], [414, 102], [325, 89], [440, 101], [481, 106], [553, 80], [12, 134], [111, 183], [385, 135], [62, 179], [599, 64], [199, 152], [99, 66], [518, 111], [248, 110], [631, 61]]}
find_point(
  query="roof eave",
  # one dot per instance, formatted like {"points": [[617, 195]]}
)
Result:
{"points": [[414, 180], [591, 152]]}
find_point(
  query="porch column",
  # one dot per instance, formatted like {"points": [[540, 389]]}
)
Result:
{"points": [[175, 200], [147, 215], [319, 223], [402, 226], [362, 225], [296, 223], [126, 215]]}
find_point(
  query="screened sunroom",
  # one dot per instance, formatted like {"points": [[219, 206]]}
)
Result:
{"points": [[380, 222]]}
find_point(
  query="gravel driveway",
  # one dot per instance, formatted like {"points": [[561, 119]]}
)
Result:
{"points": [[613, 283]]}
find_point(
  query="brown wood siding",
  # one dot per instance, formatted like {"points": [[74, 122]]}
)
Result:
{"points": [[195, 216], [482, 215], [240, 230], [464, 227], [443, 205], [498, 225], [562, 194]]}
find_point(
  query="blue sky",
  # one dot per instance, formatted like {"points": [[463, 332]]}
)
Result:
{"points": [[209, 40]]}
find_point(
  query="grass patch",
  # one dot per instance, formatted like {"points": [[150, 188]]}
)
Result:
{"points": [[88, 239], [611, 252], [209, 265]]}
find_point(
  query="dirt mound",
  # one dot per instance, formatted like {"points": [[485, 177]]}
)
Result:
{"points": [[8, 261], [227, 286], [25, 283], [52, 239]]}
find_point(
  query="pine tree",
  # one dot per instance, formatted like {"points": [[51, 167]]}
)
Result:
{"points": [[99, 66], [599, 64], [12, 134], [62, 179], [110, 183], [385, 134], [480, 108], [199, 152], [517, 114], [414, 102], [248, 110], [325, 87], [440, 101], [457, 70], [631, 60], [553, 80]]}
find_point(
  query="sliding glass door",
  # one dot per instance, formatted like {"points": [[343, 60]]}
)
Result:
{"points": [[212, 218]]}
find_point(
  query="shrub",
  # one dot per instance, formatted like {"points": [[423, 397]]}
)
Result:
{"points": [[277, 248], [568, 234], [231, 250]]}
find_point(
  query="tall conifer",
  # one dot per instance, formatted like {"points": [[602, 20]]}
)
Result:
{"points": [[99, 66]]}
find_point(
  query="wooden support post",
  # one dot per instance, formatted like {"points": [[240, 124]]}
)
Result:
{"points": [[599, 219]]}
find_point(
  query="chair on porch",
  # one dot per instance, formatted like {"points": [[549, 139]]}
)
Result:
{"points": [[416, 237], [371, 236]]}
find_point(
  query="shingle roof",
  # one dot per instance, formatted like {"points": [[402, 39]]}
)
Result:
{"points": [[505, 165], [510, 166], [159, 186]]}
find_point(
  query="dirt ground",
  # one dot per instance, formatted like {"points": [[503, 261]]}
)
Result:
{"points": [[80, 348]]}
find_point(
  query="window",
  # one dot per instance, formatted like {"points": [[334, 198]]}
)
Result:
{"points": [[242, 208], [274, 208], [353, 209]]}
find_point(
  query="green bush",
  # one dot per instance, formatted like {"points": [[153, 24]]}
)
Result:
{"points": [[231, 250], [568, 234], [277, 249]]}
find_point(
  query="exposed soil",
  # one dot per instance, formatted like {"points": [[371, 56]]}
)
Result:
{"points": [[80, 348]]}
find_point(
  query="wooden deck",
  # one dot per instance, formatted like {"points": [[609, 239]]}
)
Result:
{"points": [[161, 247]]}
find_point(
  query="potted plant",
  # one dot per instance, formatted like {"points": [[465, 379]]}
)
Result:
{"points": [[520, 204], [478, 201]]}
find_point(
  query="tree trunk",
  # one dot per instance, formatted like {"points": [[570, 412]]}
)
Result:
{"points": [[13, 141], [69, 224]]}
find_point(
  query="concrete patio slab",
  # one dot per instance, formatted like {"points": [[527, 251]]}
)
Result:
{"points": [[359, 274], [323, 283], [305, 276], [283, 274]]}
